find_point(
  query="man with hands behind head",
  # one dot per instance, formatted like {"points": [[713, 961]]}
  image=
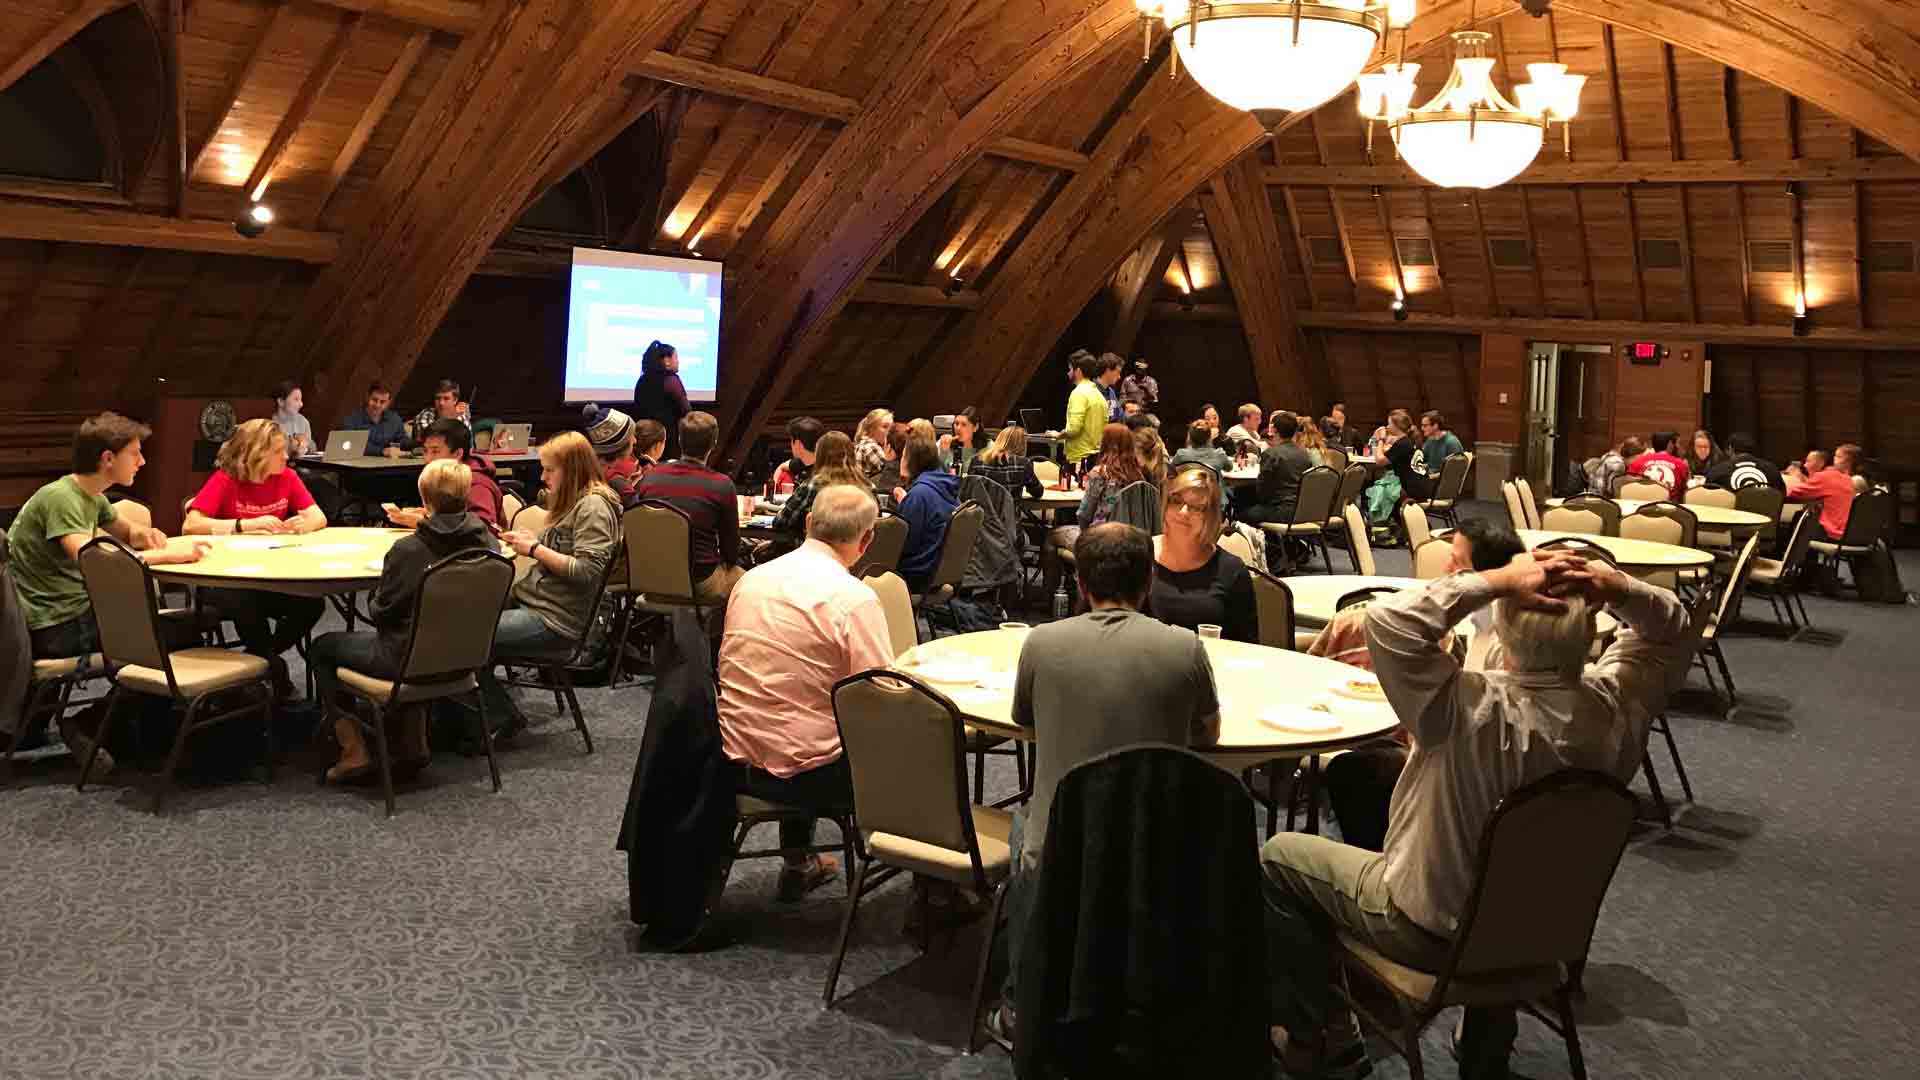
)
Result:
{"points": [[1476, 737]]}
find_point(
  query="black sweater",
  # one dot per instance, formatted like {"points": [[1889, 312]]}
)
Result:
{"points": [[391, 606]]}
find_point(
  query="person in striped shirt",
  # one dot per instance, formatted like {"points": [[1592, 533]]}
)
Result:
{"points": [[707, 498]]}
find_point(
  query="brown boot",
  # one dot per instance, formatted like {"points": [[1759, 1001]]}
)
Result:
{"points": [[354, 761]]}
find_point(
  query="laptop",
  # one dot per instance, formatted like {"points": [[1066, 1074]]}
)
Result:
{"points": [[1033, 420], [511, 439], [346, 445]]}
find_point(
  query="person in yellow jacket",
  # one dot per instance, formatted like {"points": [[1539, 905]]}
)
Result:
{"points": [[1087, 406]]}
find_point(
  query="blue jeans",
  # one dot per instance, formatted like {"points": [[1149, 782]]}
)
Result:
{"points": [[521, 633], [356, 649]]}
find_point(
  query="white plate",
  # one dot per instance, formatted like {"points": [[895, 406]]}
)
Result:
{"points": [[376, 565], [947, 671], [1300, 720]]}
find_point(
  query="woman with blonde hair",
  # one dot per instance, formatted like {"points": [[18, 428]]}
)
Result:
{"points": [[1005, 462], [551, 609], [833, 463], [1194, 582], [1152, 453], [1308, 438], [872, 448], [252, 491]]}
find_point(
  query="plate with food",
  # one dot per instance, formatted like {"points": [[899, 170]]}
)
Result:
{"points": [[1302, 719], [1361, 689]]}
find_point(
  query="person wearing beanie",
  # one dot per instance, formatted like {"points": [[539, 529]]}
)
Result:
{"points": [[610, 432]]}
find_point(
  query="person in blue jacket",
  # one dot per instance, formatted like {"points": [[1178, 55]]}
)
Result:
{"points": [[926, 504]]}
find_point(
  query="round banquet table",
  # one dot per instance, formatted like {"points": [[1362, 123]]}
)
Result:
{"points": [[1642, 556], [324, 563], [1713, 517], [1251, 680], [1052, 499], [1242, 477], [1316, 596]]}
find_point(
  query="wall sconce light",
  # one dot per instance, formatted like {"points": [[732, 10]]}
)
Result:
{"points": [[255, 222]]}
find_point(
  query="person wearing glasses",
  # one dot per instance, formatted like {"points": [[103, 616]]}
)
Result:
{"points": [[1194, 582]]}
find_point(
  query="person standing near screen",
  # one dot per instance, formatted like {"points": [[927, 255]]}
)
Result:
{"points": [[660, 395]]}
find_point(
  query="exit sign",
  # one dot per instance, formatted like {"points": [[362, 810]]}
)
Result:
{"points": [[1647, 352]]}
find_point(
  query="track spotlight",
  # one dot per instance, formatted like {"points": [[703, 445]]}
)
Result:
{"points": [[1399, 309], [254, 222], [1802, 325], [954, 284]]}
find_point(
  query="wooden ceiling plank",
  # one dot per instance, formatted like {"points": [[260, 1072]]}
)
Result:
{"points": [[391, 84], [1486, 254], [1608, 173], [1820, 336], [1300, 244], [96, 225], [300, 108], [452, 16], [1633, 241], [1586, 255], [1247, 239], [691, 236], [250, 326], [1686, 256], [903, 294], [176, 107], [1670, 95], [640, 101], [1533, 247], [1139, 279], [1613, 90], [782, 169], [1730, 108], [1393, 244], [1859, 257], [166, 333], [37, 50], [1793, 127], [1746, 257], [282, 12], [80, 354], [1439, 262]]}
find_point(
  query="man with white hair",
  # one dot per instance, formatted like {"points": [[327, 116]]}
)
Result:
{"points": [[795, 626], [1476, 737]]}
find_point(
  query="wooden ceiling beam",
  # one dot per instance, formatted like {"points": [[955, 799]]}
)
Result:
{"points": [[166, 334], [1746, 256], [92, 225], [1439, 262], [1533, 252], [1586, 255], [901, 294], [1597, 330], [58, 34], [453, 16], [1301, 245], [1613, 91], [1247, 240], [1486, 254], [1140, 277], [640, 100], [301, 107], [384, 96], [1633, 247], [1611, 173], [775, 179], [281, 13]]}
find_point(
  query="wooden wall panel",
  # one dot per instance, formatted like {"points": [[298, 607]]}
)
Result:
{"points": [[1372, 259], [1770, 218], [1194, 362], [1501, 213], [1376, 372], [1616, 293], [1657, 217], [1893, 213], [1713, 215], [1462, 252], [1662, 397], [1869, 397], [1563, 258], [1830, 252]]}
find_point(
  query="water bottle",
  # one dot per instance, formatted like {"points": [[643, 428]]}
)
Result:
{"points": [[1061, 604]]}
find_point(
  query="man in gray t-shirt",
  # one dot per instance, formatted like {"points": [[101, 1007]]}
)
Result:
{"points": [[1097, 682]]}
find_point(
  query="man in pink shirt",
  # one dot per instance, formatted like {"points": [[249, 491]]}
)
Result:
{"points": [[1832, 486], [795, 626]]}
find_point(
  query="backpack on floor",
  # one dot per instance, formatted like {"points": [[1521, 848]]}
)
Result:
{"points": [[1877, 576]]}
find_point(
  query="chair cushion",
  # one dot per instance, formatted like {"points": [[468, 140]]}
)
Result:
{"points": [[656, 604], [990, 829], [196, 672], [1493, 988], [1765, 571], [1279, 529], [1437, 504], [1826, 547], [1713, 539], [65, 666], [746, 805], [381, 690]]}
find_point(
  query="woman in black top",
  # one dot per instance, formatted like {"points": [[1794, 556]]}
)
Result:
{"points": [[1006, 463], [660, 395], [1195, 582]]}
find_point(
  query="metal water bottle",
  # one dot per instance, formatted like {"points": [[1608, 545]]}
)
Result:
{"points": [[1061, 604]]}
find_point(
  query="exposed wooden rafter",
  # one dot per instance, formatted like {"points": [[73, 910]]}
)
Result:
{"points": [[1433, 238], [55, 36], [391, 84], [92, 225], [1139, 279], [303, 102], [1300, 245], [1611, 173], [1593, 329], [1247, 240], [282, 12]]}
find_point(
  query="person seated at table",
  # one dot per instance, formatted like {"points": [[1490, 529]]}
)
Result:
{"points": [[649, 449], [446, 406], [1282, 465], [1360, 783], [287, 403], [958, 450], [803, 434], [707, 498], [1661, 465], [1099, 681], [1476, 737], [448, 440], [1194, 582], [897, 437], [1200, 450], [833, 464], [252, 491], [1437, 443], [610, 432], [1831, 485], [926, 501], [1334, 426], [1308, 438], [386, 432], [873, 447], [1005, 462], [1210, 416], [1152, 453], [795, 627], [1745, 467], [1394, 444], [1117, 467], [1606, 471], [551, 609], [449, 529], [1814, 462], [44, 542], [1703, 455]]}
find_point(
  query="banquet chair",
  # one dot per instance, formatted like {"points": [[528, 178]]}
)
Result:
{"points": [[1448, 488], [1234, 543], [1517, 514], [1353, 480], [1699, 615], [1766, 500], [897, 605], [956, 553], [883, 555], [1139, 506], [1529, 505], [1312, 507], [1608, 510], [556, 667], [206, 621], [510, 505], [121, 590], [532, 518], [1666, 522], [1545, 859], [1715, 497], [1570, 519], [1633, 490], [1047, 471], [1358, 545], [1872, 514], [50, 682], [1430, 559], [1415, 520], [447, 642], [904, 745], [1273, 611], [1725, 611], [1781, 581], [645, 577]]}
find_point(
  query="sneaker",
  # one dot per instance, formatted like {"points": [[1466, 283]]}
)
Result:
{"points": [[82, 745], [797, 882], [999, 1026]]}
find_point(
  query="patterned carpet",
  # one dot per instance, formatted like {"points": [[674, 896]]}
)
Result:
{"points": [[291, 931]]}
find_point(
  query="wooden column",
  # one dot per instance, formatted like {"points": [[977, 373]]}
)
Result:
{"points": [[1247, 240]]}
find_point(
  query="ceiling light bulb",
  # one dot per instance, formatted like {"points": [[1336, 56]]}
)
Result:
{"points": [[261, 213], [1275, 57]]}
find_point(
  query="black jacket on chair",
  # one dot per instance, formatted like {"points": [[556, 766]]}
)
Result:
{"points": [[1146, 954], [678, 826]]}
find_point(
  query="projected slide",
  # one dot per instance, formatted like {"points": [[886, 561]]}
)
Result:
{"points": [[621, 302]]}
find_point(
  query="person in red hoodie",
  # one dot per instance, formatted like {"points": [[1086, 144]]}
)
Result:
{"points": [[1831, 486], [451, 439], [1660, 465]]}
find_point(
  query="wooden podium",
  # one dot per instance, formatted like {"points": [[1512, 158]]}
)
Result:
{"points": [[178, 459]]}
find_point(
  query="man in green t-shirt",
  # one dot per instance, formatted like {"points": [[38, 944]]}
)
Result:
{"points": [[1087, 408], [45, 541]]}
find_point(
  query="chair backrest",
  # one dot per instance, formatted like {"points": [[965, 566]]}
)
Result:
{"points": [[1568, 519], [1334, 458], [1430, 559], [1868, 520], [1797, 541], [897, 604], [1510, 491], [121, 592], [1861, 483], [658, 551], [1353, 481], [455, 614], [1047, 471], [1608, 510], [1657, 521], [1415, 520], [1735, 588], [905, 746], [996, 554], [532, 518], [1453, 476], [483, 440], [510, 506], [1529, 505], [1139, 506], [1584, 547], [1763, 499], [1643, 491], [889, 541], [1363, 596], [1357, 536], [1712, 496], [133, 512], [1273, 607], [1319, 487], [1547, 855], [1237, 545], [956, 548]]}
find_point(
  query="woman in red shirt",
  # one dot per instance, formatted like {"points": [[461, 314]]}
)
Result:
{"points": [[253, 491]]}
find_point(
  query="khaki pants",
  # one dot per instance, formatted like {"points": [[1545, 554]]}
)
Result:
{"points": [[717, 586]]}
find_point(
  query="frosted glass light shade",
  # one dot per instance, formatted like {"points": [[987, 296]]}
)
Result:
{"points": [[1245, 54], [1484, 152]]}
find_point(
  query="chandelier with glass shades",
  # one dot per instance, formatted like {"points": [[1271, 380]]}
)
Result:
{"points": [[1469, 135], [1273, 58]]}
